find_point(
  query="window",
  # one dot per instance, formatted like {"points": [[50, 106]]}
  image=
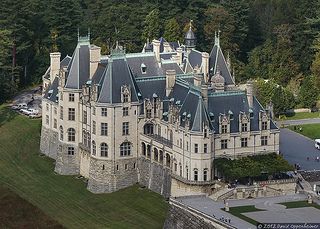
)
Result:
{"points": [[94, 127], [205, 174], [187, 145], [175, 167], [125, 128], [224, 144], [264, 125], [149, 112], [104, 149], [71, 135], [244, 127], [61, 133], [85, 138], [47, 107], [55, 110], [244, 142], [125, 98], [196, 148], [85, 117], [134, 165], [195, 173], [104, 112], [117, 167], [125, 111], [205, 148], [94, 148], [224, 129], [61, 96], [264, 140], [93, 111], [70, 150], [104, 129], [71, 97], [61, 112], [55, 123], [102, 167], [125, 149], [205, 133], [71, 114], [180, 170], [47, 119], [125, 166]]}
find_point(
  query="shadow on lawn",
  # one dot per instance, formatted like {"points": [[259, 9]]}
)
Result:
{"points": [[6, 115]]}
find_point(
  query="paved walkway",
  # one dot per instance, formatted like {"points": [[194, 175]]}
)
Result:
{"points": [[298, 122], [212, 208]]}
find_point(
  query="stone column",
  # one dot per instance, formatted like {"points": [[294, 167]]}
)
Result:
{"points": [[226, 207]]}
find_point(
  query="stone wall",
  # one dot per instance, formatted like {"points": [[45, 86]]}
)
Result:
{"points": [[179, 188], [154, 176], [67, 164], [49, 142]]}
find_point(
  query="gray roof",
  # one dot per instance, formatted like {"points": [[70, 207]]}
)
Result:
{"points": [[98, 75], [218, 62], [190, 35], [78, 69], [195, 58], [116, 75], [65, 62], [151, 86], [52, 91], [171, 66], [149, 61]]}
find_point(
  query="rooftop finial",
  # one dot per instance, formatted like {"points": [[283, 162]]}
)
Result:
{"points": [[78, 34], [190, 24], [217, 37]]}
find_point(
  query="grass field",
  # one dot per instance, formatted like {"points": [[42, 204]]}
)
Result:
{"points": [[300, 204], [310, 130], [303, 115], [237, 211], [65, 198]]}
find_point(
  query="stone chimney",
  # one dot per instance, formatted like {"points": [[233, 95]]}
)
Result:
{"points": [[204, 94], [54, 65], [249, 88], [156, 49], [179, 55], [205, 66], [95, 56], [170, 80], [166, 47]]}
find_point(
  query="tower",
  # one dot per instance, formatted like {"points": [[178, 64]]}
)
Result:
{"points": [[189, 38]]}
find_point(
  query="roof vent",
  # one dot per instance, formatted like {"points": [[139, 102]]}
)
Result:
{"points": [[155, 95], [143, 68]]}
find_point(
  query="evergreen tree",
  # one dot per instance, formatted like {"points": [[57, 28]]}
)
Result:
{"points": [[308, 93], [172, 30], [152, 25]]}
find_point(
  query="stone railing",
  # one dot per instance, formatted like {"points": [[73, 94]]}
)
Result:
{"points": [[282, 181], [160, 139], [184, 180], [226, 195]]}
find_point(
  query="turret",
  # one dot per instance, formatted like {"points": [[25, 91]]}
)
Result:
{"points": [[189, 38]]}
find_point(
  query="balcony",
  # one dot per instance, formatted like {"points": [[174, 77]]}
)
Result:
{"points": [[160, 139], [191, 182]]}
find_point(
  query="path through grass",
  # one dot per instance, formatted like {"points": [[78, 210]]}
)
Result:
{"points": [[309, 130]]}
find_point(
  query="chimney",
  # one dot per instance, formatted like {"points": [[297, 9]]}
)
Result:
{"points": [[204, 94], [95, 57], [179, 55], [156, 49], [170, 80], [166, 47], [54, 65], [205, 66], [249, 88]]}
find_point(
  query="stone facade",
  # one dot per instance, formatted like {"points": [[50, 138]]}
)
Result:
{"points": [[49, 142], [67, 164]]}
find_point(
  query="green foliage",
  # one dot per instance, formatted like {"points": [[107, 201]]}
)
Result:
{"points": [[252, 166], [308, 93], [152, 25], [172, 30]]}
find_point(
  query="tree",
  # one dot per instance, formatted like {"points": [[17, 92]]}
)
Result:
{"points": [[152, 25], [308, 93], [172, 30]]}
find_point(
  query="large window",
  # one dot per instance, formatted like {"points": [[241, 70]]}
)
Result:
{"points": [[148, 128], [104, 149], [71, 135], [149, 113], [85, 117], [196, 148], [104, 112], [195, 173], [125, 149], [264, 125], [47, 119], [205, 148], [55, 123], [94, 148], [205, 174], [104, 129], [125, 98], [61, 112], [264, 140], [71, 114], [244, 127], [93, 111], [244, 142], [61, 133], [224, 144], [125, 111], [94, 126], [71, 97], [125, 128], [70, 150], [224, 129]]}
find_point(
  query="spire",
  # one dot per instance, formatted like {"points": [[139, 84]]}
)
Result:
{"points": [[228, 61], [190, 38], [190, 24], [217, 38]]}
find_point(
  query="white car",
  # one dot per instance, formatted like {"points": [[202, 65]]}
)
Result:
{"points": [[20, 106], [30, 111], [317, 143]]}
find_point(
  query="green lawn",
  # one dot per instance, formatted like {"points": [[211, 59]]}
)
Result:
{"points": [[310, 130], [300, 204], [237, 211], [303, 115], [65, 198]]}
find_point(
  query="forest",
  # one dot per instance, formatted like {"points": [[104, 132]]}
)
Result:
{"points": [[276, 43]]}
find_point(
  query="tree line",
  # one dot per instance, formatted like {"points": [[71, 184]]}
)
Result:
{"points": [[274, 40]]}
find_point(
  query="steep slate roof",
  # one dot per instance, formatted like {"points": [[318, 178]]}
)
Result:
{"points": [[171, 66], [151, 86], [78, 69], [149, 60], [98, 75], [218, 62], [116, 75], [201, 117], [195, 58], [52, 91], [65, 62]]}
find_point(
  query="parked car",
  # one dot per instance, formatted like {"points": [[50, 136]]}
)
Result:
{"points": [[20, 106], [29, 111]]}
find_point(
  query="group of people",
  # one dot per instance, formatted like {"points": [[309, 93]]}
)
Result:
{"points": [[311, 176], [316, 158]]}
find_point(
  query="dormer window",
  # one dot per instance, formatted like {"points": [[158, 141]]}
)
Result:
{"points": [[143, 68], [230, 115], [125, 91], [251, 113]]}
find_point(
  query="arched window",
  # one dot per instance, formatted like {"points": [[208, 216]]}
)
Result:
{"points": [[143, 148], [61, 133], [149, 151], [195, 174], [161, 156], [156, 156], [205, 174], [85, 139], [94, 148], [180, 169], [125, 149], [148, 128], [168, 160], [104, 150], [71, 135]]}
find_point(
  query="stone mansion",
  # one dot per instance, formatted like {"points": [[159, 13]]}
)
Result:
{"points": [[158, 118]]}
